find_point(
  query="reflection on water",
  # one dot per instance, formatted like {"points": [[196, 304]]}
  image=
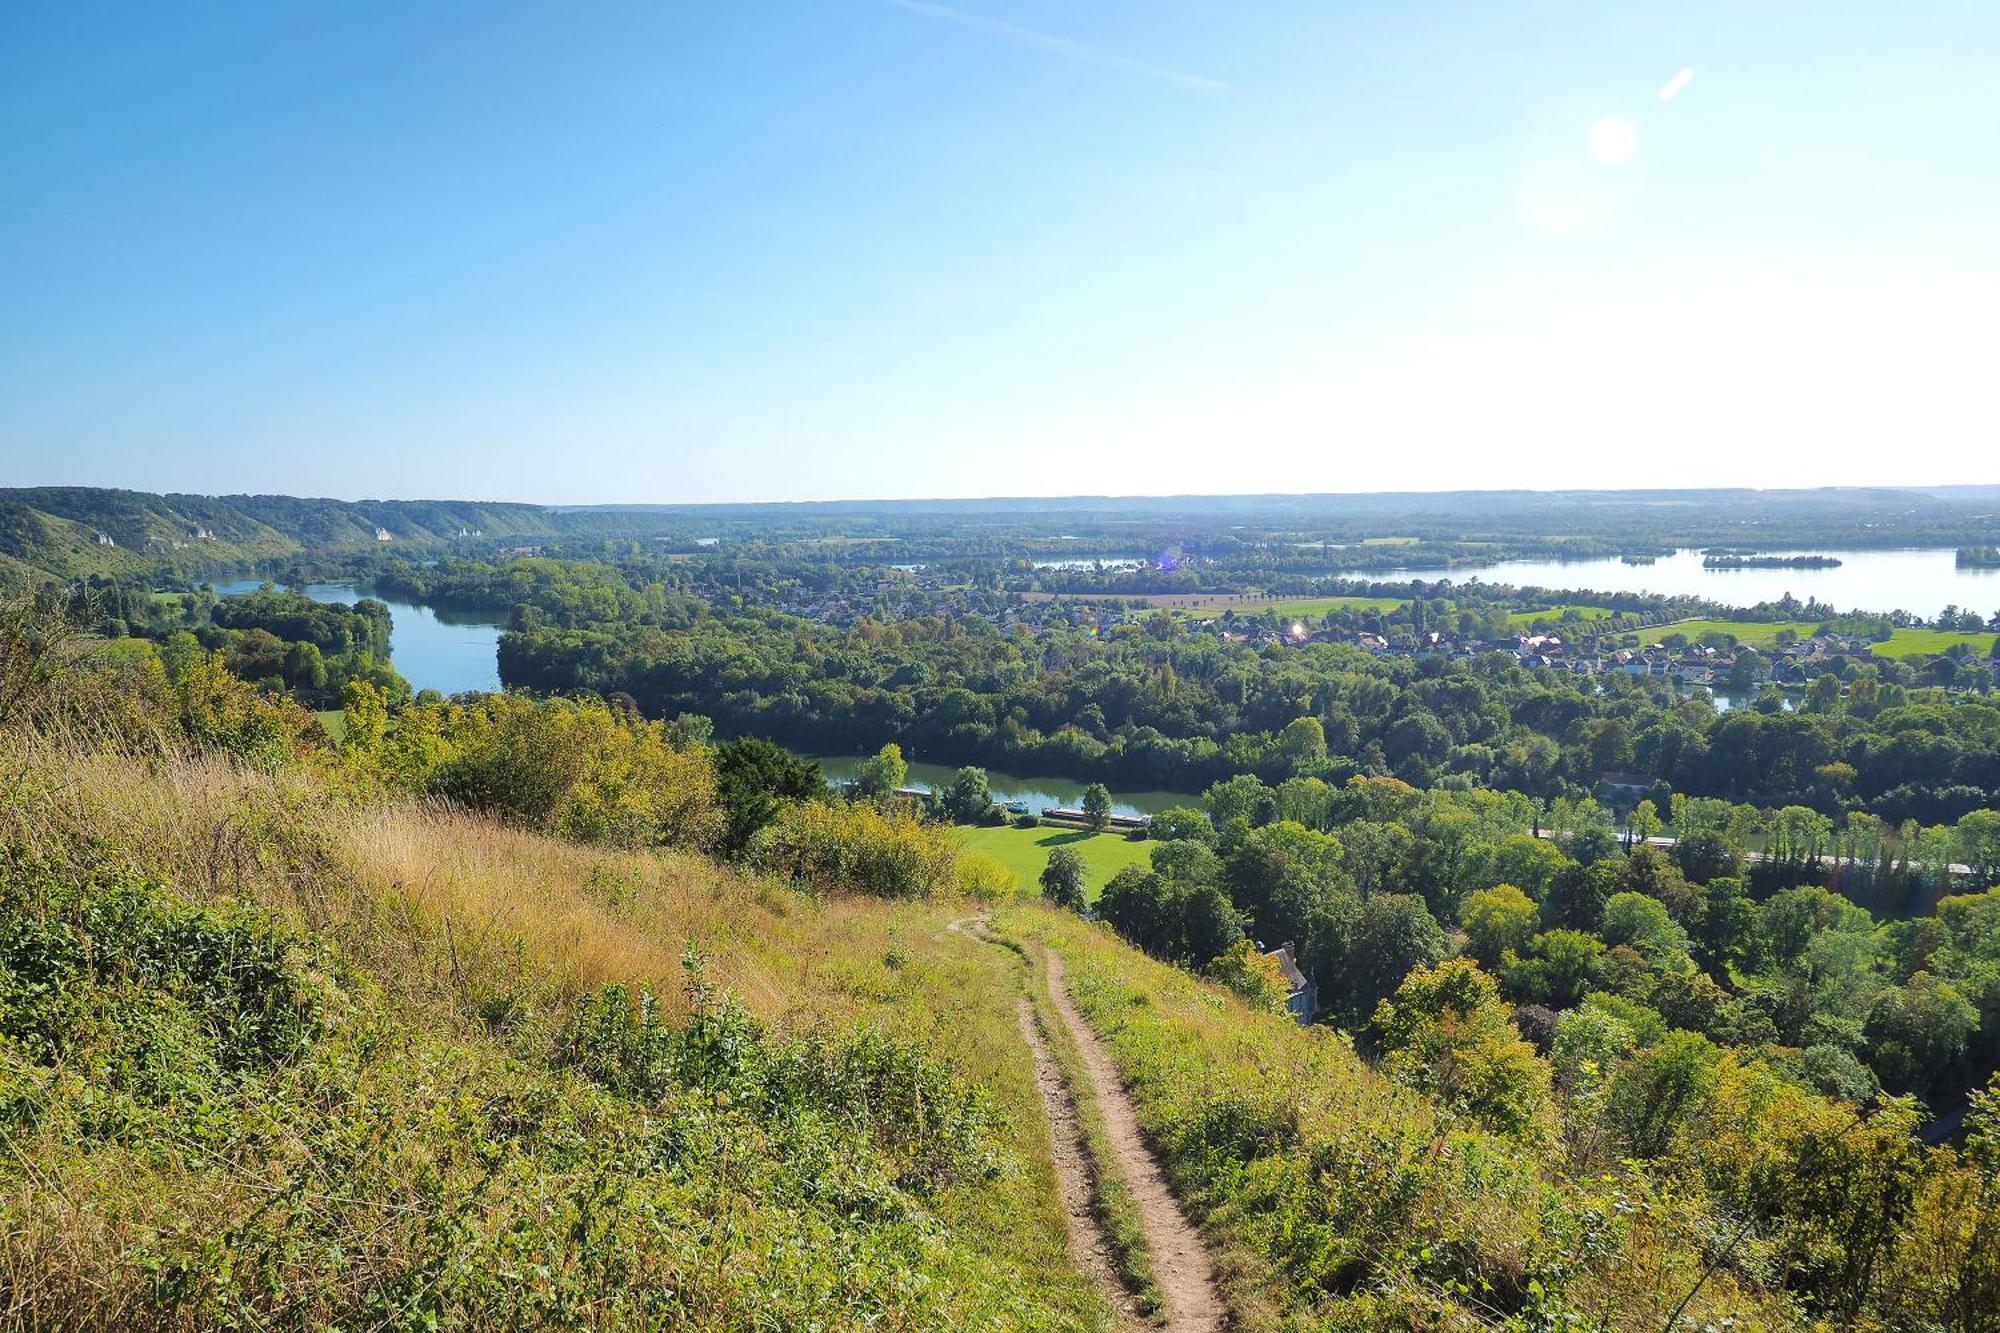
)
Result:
{"points": [[1037, 792], [447, 651], [1922, 582]]}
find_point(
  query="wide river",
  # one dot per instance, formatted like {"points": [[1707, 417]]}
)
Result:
{"points": [[1922, 582], [447, 651]]}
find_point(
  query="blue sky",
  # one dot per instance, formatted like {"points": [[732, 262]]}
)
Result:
{"points": [[859, 248]]}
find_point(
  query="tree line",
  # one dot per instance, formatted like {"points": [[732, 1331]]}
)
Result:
{"points": [[1153, 705]]}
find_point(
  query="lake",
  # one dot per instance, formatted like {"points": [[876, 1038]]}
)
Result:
{"points": [[1922, 582], [447, 651], [1037, 792]]}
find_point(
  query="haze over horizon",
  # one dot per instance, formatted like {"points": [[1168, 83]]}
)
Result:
{"points": [[900, 249]]}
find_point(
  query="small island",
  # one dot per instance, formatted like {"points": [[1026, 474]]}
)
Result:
{"points": [[1979, 557], [1733, 561]]}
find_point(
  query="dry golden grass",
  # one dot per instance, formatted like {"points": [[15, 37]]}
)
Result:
{"points": [[442, 905], [448, 913]]}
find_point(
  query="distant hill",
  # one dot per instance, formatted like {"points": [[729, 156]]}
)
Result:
{"points": [[1526, 510], [79, 530]]}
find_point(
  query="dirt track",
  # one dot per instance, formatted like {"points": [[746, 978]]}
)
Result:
{"points": [[1181, 1264], [1071, 1157]]}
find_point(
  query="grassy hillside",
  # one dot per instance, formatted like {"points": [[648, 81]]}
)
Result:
{"points": [[1335, 1198], [300, 1064], [274, 1055], [284, 1044], [31, 539]]}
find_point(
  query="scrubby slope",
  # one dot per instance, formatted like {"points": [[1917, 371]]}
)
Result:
{"points": [[1335, 1198], [275, 1061], [274, 1056]]}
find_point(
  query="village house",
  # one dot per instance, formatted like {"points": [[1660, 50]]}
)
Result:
{"points": [[1302, 998], [1625, 786]]}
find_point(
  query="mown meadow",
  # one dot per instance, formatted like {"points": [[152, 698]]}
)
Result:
{"points": [[1025, 851]]}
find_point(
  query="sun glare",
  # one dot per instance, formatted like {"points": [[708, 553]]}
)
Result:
{"points": [[1613, 140]]}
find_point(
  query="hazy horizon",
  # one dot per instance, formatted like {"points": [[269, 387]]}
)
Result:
{"points": [[1067, 499]]}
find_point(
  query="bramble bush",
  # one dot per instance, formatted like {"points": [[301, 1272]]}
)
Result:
{"points": [[857, 847]]}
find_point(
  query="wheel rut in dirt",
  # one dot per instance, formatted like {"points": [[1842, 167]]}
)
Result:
{"points": [[1070, 1155], [1182, 1267]]}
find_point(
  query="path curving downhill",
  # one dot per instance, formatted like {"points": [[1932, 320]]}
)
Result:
{"points": [[1182, 1267], [1070, 1155]]}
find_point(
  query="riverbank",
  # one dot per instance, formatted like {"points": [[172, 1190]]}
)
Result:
{"points": [[1038, 793], [450, 651]]}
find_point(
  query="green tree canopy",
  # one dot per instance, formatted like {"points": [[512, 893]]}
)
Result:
{"points": [[883, 772], [1063, 879]]}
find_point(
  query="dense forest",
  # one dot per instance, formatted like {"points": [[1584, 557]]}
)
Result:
{"points": [[1767, 950], [279, 640], [1153, 706]]}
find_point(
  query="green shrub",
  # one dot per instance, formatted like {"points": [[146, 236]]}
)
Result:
{"points": [[574, 768], [1446, 1032], [859, 848], [1253, 977], [986, 877], [159, 1004], [242, 1140], [929, 1126]]}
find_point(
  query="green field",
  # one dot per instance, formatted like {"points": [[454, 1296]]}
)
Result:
{"points": [[1904, 642], [1901, 643], [1316, 607], [1215, 603], [1557, 613], [1026, 850], [1751, 633]]}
